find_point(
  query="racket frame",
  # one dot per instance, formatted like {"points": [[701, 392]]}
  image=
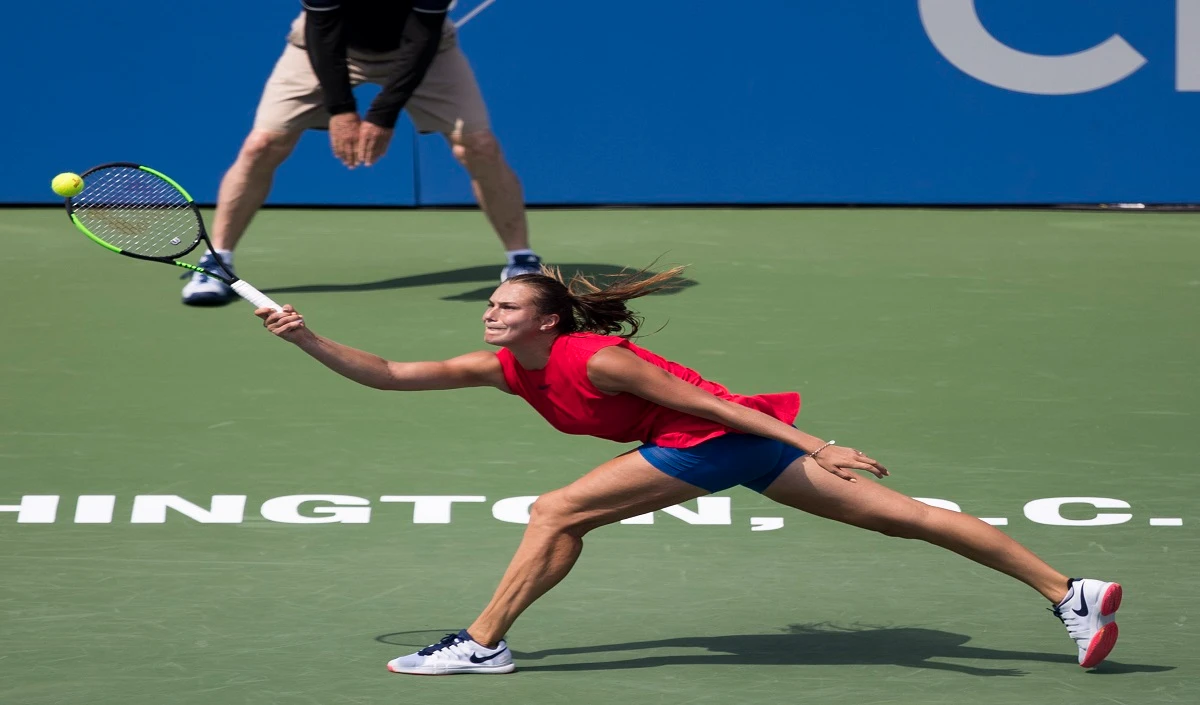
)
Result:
{"points": [[243, 288]]}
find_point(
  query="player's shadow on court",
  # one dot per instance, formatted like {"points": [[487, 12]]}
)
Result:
{"points": [[469, 275], [801, 645]]}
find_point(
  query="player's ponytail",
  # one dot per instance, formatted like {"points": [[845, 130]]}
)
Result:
{"points": [[584, 306]]}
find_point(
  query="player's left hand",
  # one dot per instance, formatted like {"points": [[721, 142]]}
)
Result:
{"points": [[373, 142], [840, 461]]}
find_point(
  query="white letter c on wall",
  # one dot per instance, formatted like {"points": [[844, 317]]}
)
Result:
{"points": [[956, 31]]}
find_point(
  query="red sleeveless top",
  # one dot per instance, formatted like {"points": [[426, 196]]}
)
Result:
{"points": [[563, 395]]}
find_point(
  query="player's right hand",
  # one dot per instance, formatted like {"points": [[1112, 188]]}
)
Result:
{"points": [[287, 324], [343, 137]]}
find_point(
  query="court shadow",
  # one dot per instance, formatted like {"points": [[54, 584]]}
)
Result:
{"points": [[469, 275], [801, 645]]}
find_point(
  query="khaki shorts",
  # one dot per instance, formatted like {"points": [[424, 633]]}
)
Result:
{"points": [[293, 100]]}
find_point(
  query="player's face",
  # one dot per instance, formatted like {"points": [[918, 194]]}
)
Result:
{"points": [[511, 316]]}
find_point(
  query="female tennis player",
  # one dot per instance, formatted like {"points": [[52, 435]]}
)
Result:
{"points": [[559, 353]]}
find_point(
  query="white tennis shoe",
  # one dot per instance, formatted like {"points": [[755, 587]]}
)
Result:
{"points": [[1089, 612], [203, 290], [455, 653], [521, 264]]}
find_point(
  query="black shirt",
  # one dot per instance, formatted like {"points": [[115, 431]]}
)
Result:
{"points": [[411, 28]]}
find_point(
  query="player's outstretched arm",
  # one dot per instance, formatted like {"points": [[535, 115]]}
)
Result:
{"points": [[477, 369]]}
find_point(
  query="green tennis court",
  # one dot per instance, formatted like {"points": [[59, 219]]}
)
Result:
{"points": [[165, 460]]}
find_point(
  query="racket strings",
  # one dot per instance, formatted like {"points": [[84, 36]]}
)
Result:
{"points": [[137, 212]]}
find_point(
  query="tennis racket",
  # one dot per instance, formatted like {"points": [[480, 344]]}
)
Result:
{"points": [[142, 213]]}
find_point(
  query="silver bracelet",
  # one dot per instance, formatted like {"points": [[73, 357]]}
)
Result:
{"points": [[818, 450]]}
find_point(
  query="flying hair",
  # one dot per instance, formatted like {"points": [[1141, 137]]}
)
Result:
{"points": [[584, 306]]}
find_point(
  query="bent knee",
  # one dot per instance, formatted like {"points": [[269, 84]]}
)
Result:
{"points": [[555, 512], [267, 146], [476, 148]]}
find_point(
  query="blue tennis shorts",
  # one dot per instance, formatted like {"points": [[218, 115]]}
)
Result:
{"points": [[727, 460]]}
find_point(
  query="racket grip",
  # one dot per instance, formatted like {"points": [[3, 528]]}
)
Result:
{"points": [[254, 296]]}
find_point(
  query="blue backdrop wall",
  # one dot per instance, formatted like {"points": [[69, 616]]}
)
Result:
{"points": [[878, 101]]}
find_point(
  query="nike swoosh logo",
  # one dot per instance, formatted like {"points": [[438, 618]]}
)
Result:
{"points": [[475, 658], [1082, 604]]}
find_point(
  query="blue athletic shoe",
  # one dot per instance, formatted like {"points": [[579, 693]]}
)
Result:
{"points": [[455, 653], [203, 290], [522, 264]]}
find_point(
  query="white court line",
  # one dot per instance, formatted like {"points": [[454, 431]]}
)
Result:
{"points": [[1162, 521], [471, 15], [766, 523]]}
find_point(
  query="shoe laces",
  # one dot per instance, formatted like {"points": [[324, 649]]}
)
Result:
{"points": [[1077, 627], [446, 642], [522, 265]]}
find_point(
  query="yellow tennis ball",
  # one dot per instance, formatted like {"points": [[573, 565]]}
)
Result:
{"points": [[67, 185]]}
